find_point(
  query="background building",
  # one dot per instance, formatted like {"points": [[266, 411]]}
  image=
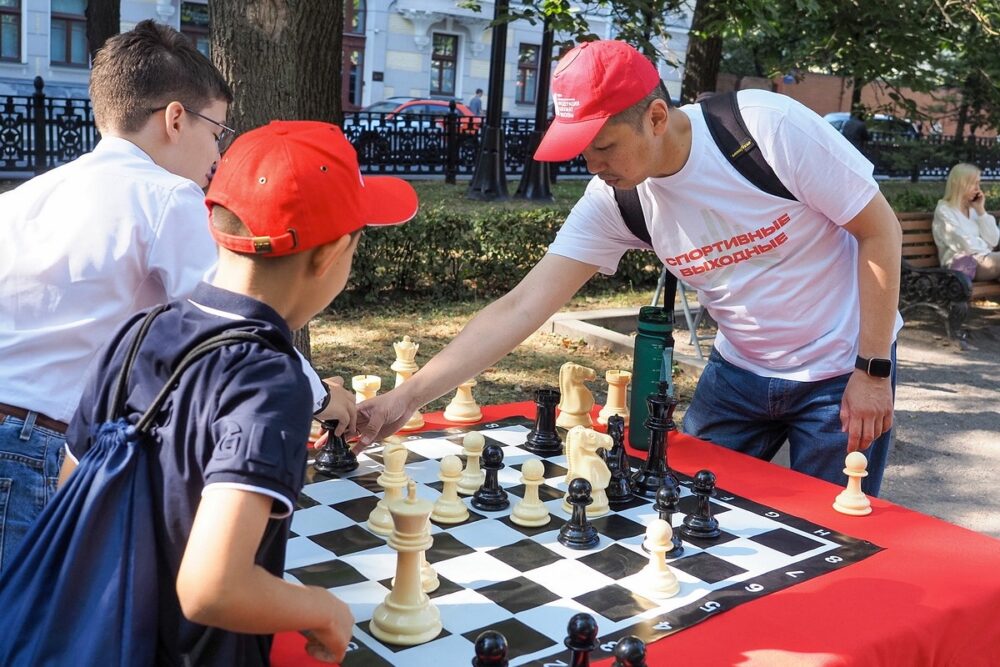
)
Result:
{"points": [[414, 48]]}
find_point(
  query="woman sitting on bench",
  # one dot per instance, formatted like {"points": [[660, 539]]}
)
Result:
{"points": [[965, 234]]}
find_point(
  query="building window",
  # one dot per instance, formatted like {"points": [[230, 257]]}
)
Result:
{"points": [[527, 74], [10, 30], [354, 17], [354, 59], [69, 33], [194, 24], [443, 64]]}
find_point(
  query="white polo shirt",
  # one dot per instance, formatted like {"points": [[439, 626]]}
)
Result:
{"points": [[83, 247]]}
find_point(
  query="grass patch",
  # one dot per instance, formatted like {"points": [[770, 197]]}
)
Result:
{"points": [[359, 341]]}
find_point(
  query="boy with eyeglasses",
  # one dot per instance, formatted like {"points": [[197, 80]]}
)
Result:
{"points": [[94, 241]]}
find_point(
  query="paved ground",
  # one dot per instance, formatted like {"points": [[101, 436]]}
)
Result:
{"points": [[946, 457]]}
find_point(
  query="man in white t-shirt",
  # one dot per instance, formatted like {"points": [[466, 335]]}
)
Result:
{"points": [[804, 292], [92, 242]]}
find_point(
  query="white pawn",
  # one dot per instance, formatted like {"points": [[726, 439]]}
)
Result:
{"points": [[529, 511], [449, 508], [616, 404], [393, 479], [429, 581], [473, 476], [463, 408], [365, 386], [660, 579], [853, 500]]}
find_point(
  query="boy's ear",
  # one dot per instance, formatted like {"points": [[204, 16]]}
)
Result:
{"points": [[324, 256], [172, 121]]}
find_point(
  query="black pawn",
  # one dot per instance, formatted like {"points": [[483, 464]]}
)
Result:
{"points": [[630, 652], [655, 471], [701, 523], [490, 497], [543, 439], [666, 504], [581, 638], [491, 650], [335, 457], [620, 486], [578, 533]]}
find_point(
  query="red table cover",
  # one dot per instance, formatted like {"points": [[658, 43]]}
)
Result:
{"points": [[930, 598]]}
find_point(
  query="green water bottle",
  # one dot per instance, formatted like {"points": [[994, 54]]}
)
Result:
{"points": [[652, 362]]}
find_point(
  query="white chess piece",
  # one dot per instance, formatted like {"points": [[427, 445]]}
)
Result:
{"points": [[449, 508], [365, 386], [429, 581], [582, 460], [530, 511], [405, 367], [661, 582], [473, 476], [407, 617], [393, 480], [463, 407], [575, 398], [616, 404], [852, 500]]}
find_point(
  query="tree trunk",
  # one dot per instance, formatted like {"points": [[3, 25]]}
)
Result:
{"points": [[704, 52], [103, 21], [283, 60]]}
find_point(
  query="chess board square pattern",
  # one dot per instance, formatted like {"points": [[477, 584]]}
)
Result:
{"points": [[496, 575]]}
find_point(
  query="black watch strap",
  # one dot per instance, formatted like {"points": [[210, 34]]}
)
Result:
{"points": [[875, 367]]}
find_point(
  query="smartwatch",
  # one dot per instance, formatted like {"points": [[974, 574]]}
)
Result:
{"points": [[875, 367]]}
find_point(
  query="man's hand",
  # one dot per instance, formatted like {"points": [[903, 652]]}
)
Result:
{"points": [[342, 407], [380, 417], [329, 644], [866, 410]]}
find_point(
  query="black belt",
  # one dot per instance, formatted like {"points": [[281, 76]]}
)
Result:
{"points": [[40, 419]]}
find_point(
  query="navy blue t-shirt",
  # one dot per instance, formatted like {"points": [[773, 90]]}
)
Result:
{"points": [[239, 417]]}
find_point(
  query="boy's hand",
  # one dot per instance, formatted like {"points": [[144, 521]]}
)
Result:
{"points": [[329, 644], [380, 417], [342, 406]]}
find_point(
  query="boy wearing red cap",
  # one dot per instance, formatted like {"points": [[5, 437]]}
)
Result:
{"points": [[804, 290], [287, 206]]}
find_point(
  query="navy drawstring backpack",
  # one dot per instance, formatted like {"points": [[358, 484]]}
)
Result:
{"points": [[82, 588]]}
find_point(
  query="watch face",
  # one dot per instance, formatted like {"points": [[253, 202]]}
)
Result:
{"points": [[880, 368]]}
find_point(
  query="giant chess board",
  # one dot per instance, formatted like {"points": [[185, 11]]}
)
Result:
{"points": [[496, 575]]}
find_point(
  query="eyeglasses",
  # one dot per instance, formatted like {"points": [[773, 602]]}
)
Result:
{"points": [[222, 139]]}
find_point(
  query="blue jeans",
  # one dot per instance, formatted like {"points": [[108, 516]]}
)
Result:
{"points": [[30, 458], [755, 415]]}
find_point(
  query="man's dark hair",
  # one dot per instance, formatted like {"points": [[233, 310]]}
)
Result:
{"points": [[479, 91], [149, 67], [634, 114]]}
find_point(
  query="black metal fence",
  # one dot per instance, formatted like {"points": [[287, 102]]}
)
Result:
{"points": [[38, 132]]}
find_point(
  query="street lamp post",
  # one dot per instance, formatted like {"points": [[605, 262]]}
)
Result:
{"points": [[490, 180]]}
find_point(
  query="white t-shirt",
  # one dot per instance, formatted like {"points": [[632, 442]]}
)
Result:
{"points": [[85, 246], [779, 277]]}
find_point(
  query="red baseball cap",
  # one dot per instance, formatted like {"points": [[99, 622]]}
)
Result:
{"points": [[593, 82], [296, 185]]}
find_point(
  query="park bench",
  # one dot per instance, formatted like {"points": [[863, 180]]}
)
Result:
{"points": [[924, 283]]}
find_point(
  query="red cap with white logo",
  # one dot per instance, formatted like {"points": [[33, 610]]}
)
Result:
{"points": [[593, 82], [296, 185]]}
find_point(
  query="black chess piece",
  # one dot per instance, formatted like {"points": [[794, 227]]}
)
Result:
{"points": [[619, 489], [490, 497], [578, 532], [701, 523], [543, 439], [655, 471], [335, 457], [581, 638], [667, 497], [630, 652], [491, 650]]}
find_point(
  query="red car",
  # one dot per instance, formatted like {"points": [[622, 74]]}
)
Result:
{"points": [[397, 107]]}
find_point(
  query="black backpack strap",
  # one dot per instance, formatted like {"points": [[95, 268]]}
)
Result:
{"points": [[215, 342], [125, 372], [725, 122], [631, 210]]}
